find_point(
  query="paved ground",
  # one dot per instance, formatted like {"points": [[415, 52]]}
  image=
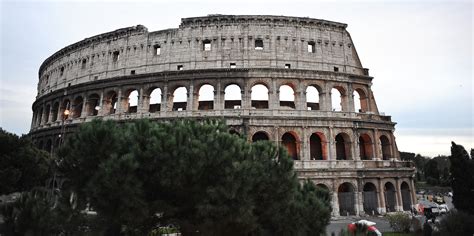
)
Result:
{"points": [[337, 224]]}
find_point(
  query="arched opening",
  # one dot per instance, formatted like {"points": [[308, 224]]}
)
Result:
{"points": [[406, 196], [55, 111], [390, 197], [287, 97], [131, 104], [93, 105], [346, 199], [365, 147], [155, 100], [322, 186], [39, 117], [180, 98], [369, 195], [46, 114], [312, 98], [110, 103], [386, 147], [337, 99], [259, 96], [343, 147], [289, 141], [206, 97], [49, 146], [77, 107], [232, 97], [360, 101], [317, 144], [65, 109], [260, 136]]}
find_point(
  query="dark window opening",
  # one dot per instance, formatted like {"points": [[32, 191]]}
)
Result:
{"points": [[258, 44], [132, 72], [61, 73], [287, 66], [232, 65], [336, 69], [116, 56], [84, 63], [179, 67], [206, 45], [157, 50]]}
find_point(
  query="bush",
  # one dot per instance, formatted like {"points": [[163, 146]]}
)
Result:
{"points": [[400, 222], [457, 223]]}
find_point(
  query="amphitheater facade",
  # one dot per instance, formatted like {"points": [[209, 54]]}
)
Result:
{"points": [[295, 81]]}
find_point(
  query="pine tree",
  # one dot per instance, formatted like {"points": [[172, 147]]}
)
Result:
{"points": [[462, 169]]}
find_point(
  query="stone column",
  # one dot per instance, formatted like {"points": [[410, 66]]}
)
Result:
{"points": [[331, 146], [398, 195], [355, 146], [101, 104], [350, 97], [165, 106], [190, 99], [246, 99], [141, 101], [335, 203], [301, 105], [304, 145], [359, 202], [381, 193], [119, 108], [219, 95], [273, 96], [412, 192], [377, 151], [84, 107]]}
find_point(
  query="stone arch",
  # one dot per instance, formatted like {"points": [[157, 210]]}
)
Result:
{"points": [[343, 147], [338, 98], [232, 96], [260, 136], [287, 96], [130, 104], [39, 117], [313, 97], [318, 146], [261, 100], [179, 98], [361, 103], [92, 105], [206, 97], [55, 111], [390, 196], [65, 109], [346, 198], [77, 105], [110, 102], [406, 196], [155, 101], [370, 199], [290, 141], [386, 147], [365, 147], [46, 113]]}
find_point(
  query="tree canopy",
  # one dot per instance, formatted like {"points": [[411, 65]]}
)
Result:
{"points": [[462, 169], [194, 175]]}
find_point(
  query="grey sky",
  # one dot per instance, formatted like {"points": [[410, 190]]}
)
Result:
{"points": [[420, 53]]}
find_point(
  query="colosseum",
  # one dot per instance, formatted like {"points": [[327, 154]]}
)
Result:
{"points": [[295, 81]]}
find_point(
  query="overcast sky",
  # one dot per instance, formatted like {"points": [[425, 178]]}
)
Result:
{"points": [[420, 53]]}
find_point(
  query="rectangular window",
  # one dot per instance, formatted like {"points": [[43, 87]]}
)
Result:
{"points": [[232, 65], [116, 56], [132, 72], [336, 69], [206, 45], [258, 44], [287, 66], [311, 47], [61, 73], [157, 50], [84, 64], [179, 67]]}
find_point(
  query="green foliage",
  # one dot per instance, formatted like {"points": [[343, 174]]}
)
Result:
{"points": [[400, 222], [22, 165], [462, 179], [192, 174], [431, 172], [456, 223]]}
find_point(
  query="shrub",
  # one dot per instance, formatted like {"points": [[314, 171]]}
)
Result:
{"points": [[399, 222], [457, 223]]}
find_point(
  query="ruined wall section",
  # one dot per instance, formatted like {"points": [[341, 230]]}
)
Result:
{"points": [[133, 50]]}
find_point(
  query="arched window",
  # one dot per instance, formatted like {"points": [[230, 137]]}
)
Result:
{"points": [[39, 116], [360, 101], [287, 97], [110, 102], [155, 100], [65, 109], [93, 105], [369, 195], [336, 99], [386, 147], [259, 96], [206, 97], [390, 197], [180, 98], [317, 143], [343, 147], [406, 196], [55, 112], [77, 107], [312, 98], [365, 147], [259, 136], [131, 104], [232, 97], [346, 198], [289, 141]]}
